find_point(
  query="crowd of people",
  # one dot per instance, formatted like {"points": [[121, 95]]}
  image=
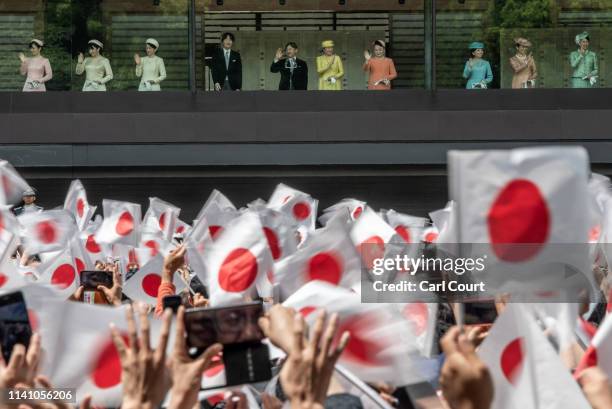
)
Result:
{"points": [[308, 280], [226, 67]]}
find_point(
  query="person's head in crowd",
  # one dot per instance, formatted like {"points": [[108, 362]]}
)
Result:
{"points": [[379, 48], [100, 265], [583, 40], [95, 47], [291, 49], [151, 46], [29, 196], [227, 40], [36, 47], [327, 47], [476, 49], [522, 45]]}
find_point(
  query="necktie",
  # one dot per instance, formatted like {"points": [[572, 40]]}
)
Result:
{"points": [[227, 54]]}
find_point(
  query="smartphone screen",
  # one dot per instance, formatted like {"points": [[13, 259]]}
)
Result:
{"points": [[14, 323], [477, 313], [91, 279], [226, 325]]}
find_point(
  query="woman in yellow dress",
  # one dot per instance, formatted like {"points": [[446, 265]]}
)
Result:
{"points": [[329, 68]]}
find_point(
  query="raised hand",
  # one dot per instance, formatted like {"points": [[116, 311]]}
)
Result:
{"points": [[22, 368], [279, 54], [113, 294], [596, 387], [22, 57], [173, 261], [80, 58], [367, 55], [137, 59]]}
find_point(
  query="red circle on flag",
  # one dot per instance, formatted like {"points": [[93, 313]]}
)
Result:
{"points": [[301, 210], [91, 245], [216, 369], [80, 206], [270, 275], [46, 231], [214, 230], [151, 283], [63, 276], [512, 359], [107, 369], [180, 229], [306, 311], [154, 246], [3, 279], [238, 271], [162, 221], [80, 265], [431, 237], [325, 266], [371, 249], [363, 347], [273, 243], [519, 215], [33, 319], [216, 398], [403, 232], [1, 222], [417, 313], [357, 212], [125, 224]]}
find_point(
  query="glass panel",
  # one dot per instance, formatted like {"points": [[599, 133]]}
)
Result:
{"points": [[260, 29], [546, 32]]}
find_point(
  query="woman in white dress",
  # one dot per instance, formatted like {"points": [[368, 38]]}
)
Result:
{"points": [[150, 69], [96, 67]]}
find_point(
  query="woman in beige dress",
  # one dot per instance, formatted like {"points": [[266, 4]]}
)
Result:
{"points": [[523, 65], [96, 67]]}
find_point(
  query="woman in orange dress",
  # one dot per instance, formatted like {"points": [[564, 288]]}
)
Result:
{"points": [[381, 69]]}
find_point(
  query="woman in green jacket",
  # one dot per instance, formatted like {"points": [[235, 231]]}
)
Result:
{"points": [[585, 68]]}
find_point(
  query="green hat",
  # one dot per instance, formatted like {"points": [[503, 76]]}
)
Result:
{"points": [[581, 36], [476, 45]]}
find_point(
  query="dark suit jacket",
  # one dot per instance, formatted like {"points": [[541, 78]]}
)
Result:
{"points": [[233, 72], [299, 79]]}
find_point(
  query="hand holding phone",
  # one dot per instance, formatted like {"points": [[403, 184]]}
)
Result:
{"points": [[15, 326]]}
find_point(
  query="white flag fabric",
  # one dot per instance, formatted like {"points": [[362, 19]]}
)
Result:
{"points": [[121, 223], [219, 200], [280, 231], [534, 197], [238, 259], [409, 228], [161, 217], [382, 346], [300, 206], [9, 231], [370, 233], [13, 184], [527, 372], [351, 207], [599, 353], [61, 273], [45, 231], [76, 203], [423, 319], [144, 284], [329, 255]]}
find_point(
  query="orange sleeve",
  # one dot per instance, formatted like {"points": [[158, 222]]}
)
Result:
{"points": [[164, 290]]}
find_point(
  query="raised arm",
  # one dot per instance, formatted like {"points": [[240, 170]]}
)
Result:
{"points": [[467, 70], [575, 58], [138, 62], [80, 67], [107, 71], [322, 66], [23, 69], [48, 73], [518, 65]]}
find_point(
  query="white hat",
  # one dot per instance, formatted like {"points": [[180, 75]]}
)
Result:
{"points": [[29, 192], [37, 42], [96, 43], [153, 42]]}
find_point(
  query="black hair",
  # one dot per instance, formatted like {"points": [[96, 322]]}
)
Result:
{"points": [[92, 45], [226, 35], [36, 44], [380, 43], [291, 44], [152, 46]]}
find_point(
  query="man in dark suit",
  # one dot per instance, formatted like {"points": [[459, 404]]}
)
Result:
{"points": [[226, 65], [294, 72]]}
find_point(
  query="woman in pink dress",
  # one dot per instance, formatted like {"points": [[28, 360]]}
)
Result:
{"points": [[381, 69], [36, 68]]}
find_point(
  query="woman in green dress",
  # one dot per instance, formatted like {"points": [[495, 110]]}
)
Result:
{"points": [[585, 68]]}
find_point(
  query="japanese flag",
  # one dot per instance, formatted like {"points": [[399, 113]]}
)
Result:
{"points": [[121, 223], [527, 372], [445, 222], [329, 256], [422, 318], [280, 231], [82, 259], [94, 250], [13, 184], [238, 259], [10, 277], [9, 230], [351, 207], [409, 228], [533, 197], [599, 353], [300, 206], [181, 227], [219, 200], [76, 203], [154, 244], [161, 217], [370, 233], [61, 273], [50, 230], [144, 284], [382, 345], [217, 219]]}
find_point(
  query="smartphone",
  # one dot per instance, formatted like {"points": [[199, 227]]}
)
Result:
{"points": [[480, 313], [245, 357], [91, 279], [14, 323], [172, 301]]}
